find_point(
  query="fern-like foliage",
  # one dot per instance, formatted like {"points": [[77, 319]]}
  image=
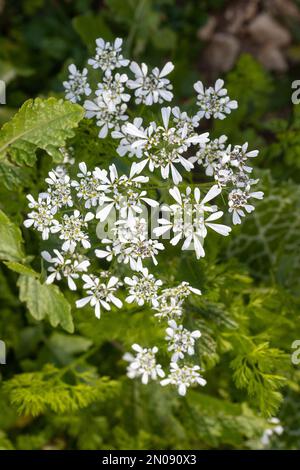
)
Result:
{"points": [[256, 370], [34, 393]]}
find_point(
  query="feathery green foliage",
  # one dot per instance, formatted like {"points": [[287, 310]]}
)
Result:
{"points": [[32, 393]]}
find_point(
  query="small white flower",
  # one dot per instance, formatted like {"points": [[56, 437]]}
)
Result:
{"points": [[151, 87], [163, 146], [183, 377], [42, 217], [213, 101], [210, 155], [108, 56], [108, 118], [223, 176], [238, 156], [143, 364], [242, 180], [143, 288], [131, 244], [238, 202], [189, 219], [59, 189], [112, 89], [100, 294], [122, 193], [71, 230], [171, 299], [87, 186], [180, 340], [181, 119], [126, 140], [67, 265], [77, 85], [137, 247], [168, 308], [179, 293]]}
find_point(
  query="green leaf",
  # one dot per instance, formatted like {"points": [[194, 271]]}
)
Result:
{"points": [[11, 243], [21, 268], [44, 300], [44, 124], [14, 177]]}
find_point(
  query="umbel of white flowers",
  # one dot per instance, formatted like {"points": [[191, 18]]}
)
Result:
{"points": [[169, 146]]}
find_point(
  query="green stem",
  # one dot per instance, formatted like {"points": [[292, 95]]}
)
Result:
{"points": [[77, 361], [142, 110], [135, 22]]}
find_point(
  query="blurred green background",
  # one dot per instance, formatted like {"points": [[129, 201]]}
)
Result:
{"points": [[250, 310]]}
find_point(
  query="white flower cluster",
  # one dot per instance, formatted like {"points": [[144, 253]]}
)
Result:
{"points": [[191, 216], [229, 167], [143, 364], [53, 213], [151, 87], [162, 145], [168, 305], [213, 101], [165, 148], [109, 103], [165, 145], [77, 86]]}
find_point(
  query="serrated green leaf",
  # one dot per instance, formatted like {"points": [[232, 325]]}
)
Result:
{"points": [[44, 124], [44, 300], [11, 243]]}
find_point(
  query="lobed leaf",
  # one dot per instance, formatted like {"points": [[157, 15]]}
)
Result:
{"points": [[44, 300], [43, 124], [11, 242]]}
